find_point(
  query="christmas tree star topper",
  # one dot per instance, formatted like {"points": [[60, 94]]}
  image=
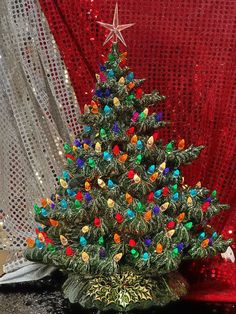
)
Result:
{"points": [[115, 28]]}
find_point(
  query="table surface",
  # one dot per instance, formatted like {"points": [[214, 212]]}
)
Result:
{"points": [[45, 297]]}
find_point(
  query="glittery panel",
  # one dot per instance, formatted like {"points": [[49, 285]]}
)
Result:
{"points": [[185, 49], [38, 112]]}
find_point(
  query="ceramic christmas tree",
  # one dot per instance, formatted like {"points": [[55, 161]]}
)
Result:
{"points": [[122, 219]]}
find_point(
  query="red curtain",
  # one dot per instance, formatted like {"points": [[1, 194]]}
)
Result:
{"points": [[185, 49]]}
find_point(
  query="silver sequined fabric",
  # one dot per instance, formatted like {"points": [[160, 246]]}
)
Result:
{"points": [[38, 113]]}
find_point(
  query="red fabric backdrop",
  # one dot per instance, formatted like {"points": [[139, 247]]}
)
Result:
{"points": [[185, 49]]}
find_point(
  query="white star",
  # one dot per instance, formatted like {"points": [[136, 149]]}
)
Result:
{"points": [[115, 28]]}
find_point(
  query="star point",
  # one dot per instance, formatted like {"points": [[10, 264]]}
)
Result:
{"points": [[115, 29]]}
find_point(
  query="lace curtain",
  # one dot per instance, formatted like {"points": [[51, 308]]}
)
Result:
{"points": [[38, 113]]}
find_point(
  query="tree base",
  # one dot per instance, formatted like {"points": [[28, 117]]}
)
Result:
{"points": [[124, 292]]}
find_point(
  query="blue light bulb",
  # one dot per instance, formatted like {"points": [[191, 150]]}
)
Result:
{"points": [[130, 214], [175, 196], [139, 144], [157, 193], [110, 184], [66, 175], [110, 73], [39, 244], [193, 192], [130, 76], [107, 110], [87, 128], [63, 204], [82, 241], [202, 236], [44, 212], [176, 173], [145, 256], [151, 169], [107, 156]]}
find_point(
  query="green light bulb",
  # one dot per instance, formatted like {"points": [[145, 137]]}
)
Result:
{"points": [[138, 159], [139, 207], [135, 253], [103, 133], [111, 57], [188, 225], [91, 162], [37, 209], [77, 204], [169, 147], [213, 194], [175, 252], [67, 148], [101, 240]]}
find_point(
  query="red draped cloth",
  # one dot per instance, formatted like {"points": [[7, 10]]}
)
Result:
{"points": [[185, 49]]}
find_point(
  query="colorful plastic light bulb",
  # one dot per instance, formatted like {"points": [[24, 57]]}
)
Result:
{"points": [[116, 102], [110, 184], [157, 193], [63, 204], [103, 133], [139, 145], [193, 192], [156, 210], [98, 147], [175, 197], [79, 162], [158, 116], [169, 147], [91, 163], [82, 241], [110, 73], [145, 256], [138, 159], [107, 156], [107, 110], [130, 76], [176, 173], [130, 214], [151, 169], [116, 128], [135, 116]]}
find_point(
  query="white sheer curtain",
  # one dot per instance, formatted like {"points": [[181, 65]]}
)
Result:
{"points": [[38, 112]]}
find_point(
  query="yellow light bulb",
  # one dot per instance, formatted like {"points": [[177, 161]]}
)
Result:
{"points": [[137, 179], [116, 101], [150, 142], [63, 240], [85, 229], [101, 183], [85, 257], [117, 257], [164, 206], [98, 147], [170, 233], [145, 111], [121, 81], [162, 167], [110, 203], [87, 186]]}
